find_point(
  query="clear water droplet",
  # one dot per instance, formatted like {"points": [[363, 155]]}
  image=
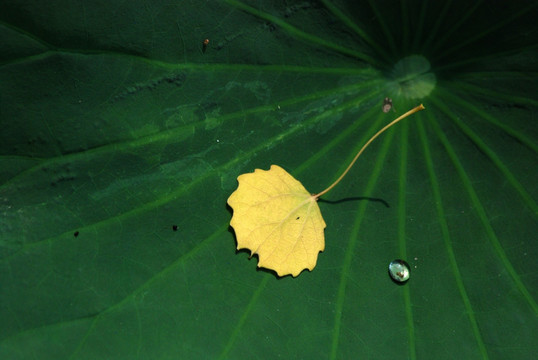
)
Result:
{"points": [[399, 271]]}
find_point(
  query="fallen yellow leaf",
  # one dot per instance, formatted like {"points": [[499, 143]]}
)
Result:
{"points": [[277, 219]]}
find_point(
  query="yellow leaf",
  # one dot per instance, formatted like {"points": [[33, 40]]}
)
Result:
{"points": [[277, 219]]}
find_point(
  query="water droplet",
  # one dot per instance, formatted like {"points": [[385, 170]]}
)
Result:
{"points": [[399, 271]]}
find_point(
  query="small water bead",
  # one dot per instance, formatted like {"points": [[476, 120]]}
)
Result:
{"points": [[399, 271]]}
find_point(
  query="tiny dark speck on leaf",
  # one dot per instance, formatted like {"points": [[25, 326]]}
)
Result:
{"points": [[174, 227], [76, 233], [298, 217]]}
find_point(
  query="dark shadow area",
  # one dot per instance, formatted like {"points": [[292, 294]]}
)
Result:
{"points": [[230, 210], [357, 198], [254, 257]]}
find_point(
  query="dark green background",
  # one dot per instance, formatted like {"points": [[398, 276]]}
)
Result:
{"points": [[116, 125]]}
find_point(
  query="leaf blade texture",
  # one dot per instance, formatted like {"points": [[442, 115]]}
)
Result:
{"points": [[276, 218]]}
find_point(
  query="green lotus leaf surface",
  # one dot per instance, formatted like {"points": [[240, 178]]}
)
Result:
{"points": [[122, 136]]}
